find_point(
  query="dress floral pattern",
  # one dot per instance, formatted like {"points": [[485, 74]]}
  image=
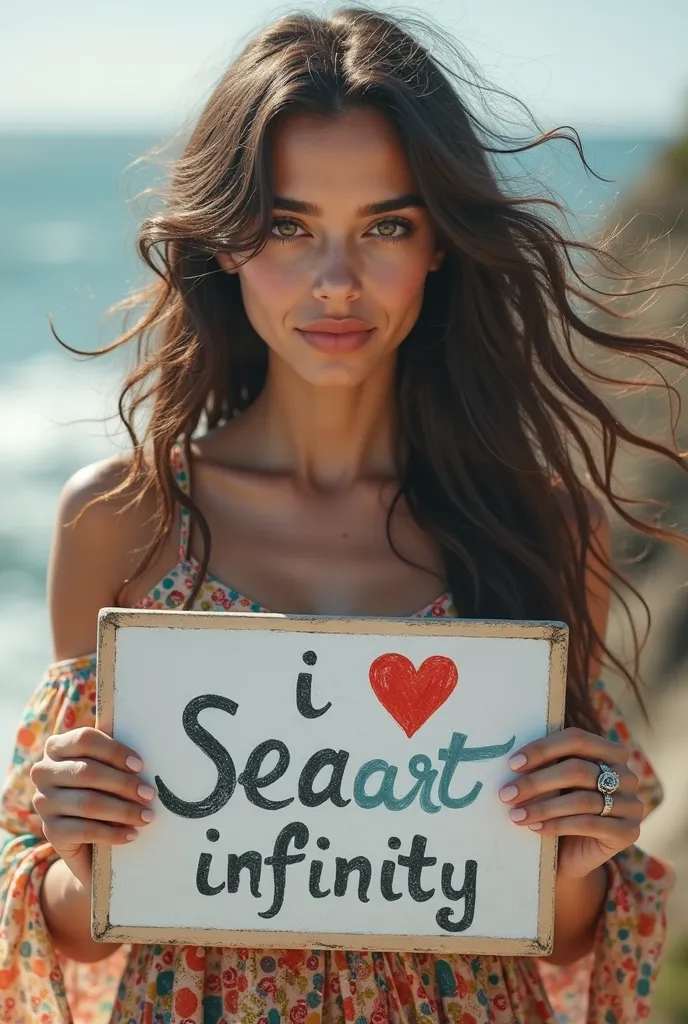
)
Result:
{"points": [[194, 985]]}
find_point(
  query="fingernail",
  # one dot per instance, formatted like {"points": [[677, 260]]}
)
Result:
{"points": [[517, 761], [535, 825], [508, 793], [131, 836], [518, 814], [134, 763], [146, 792], [147, 815]]}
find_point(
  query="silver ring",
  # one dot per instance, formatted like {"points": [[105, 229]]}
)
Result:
{"points": [[608, 805], [608, 781]]}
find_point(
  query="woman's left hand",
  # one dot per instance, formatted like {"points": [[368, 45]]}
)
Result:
{"points": [[556, 794]]}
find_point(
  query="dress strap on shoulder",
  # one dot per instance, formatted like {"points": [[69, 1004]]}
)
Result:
{"points": [[182, 475]]}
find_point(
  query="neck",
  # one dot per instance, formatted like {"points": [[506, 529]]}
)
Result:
{"points": [[326, 437]]}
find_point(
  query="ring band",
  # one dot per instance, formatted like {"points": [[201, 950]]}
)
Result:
{"points": [[608, 805], [608, 781]]}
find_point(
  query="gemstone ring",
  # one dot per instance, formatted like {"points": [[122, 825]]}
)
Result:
{"points": [[608, 782]]}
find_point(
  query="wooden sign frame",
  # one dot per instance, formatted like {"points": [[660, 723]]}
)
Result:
{"points": [[113, 619]]}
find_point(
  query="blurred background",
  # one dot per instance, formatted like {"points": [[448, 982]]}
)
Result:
{"points": [[86, 89]]}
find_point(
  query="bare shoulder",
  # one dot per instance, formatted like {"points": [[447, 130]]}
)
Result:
{"points": [[93, 482], [98, 540]]}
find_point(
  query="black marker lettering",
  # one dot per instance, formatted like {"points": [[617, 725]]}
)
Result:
{"points": [[304, 703], [280, 859], [219, 755], [202, 871], [251, 860], [443, 916], [387, 873], [415, 862], [252, 781], [323, 843], [344, 868], [314, 880], [333, 790]]}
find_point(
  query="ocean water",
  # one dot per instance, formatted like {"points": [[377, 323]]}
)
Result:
{"points": [[68, 217]]}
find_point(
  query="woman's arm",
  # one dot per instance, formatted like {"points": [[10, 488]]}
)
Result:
{"points": [[579, 903], [88, 561], [66, 906]]}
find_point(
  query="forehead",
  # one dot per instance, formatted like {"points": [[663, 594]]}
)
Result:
{"points": [[321, 158]]}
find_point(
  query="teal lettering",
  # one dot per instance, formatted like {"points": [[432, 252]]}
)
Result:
{"points": [[420, 767], [477, 753], [362, 798], [456, 752], [400, 803]]}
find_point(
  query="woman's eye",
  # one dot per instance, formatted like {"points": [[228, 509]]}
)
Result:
{"points": [[284, 229], [388, 228], [285, 222]]}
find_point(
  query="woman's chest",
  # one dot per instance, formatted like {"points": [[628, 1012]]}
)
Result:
{"points": [[322, 555]]}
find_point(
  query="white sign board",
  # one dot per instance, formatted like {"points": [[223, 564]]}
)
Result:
{"points": [[327, 782]]}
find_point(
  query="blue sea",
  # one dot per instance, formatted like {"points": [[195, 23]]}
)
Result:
{"points": [[68, 216]]}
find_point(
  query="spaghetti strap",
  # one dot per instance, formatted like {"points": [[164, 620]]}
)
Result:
{"points": [[182, 476]]}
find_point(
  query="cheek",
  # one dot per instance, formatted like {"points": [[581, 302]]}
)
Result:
{"points": [[398, 284], [269, 289]]}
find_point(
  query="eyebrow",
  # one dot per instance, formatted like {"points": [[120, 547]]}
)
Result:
{"points": [[386, 206]]}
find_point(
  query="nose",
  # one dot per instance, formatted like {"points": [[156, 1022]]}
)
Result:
{"points": [[337, 278]]}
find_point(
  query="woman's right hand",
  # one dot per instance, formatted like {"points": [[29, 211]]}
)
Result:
{"points": [[88, 790]]}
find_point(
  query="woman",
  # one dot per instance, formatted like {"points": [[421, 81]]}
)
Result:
{"points": [[361, 387]]}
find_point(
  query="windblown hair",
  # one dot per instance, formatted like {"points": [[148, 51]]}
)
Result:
{"points": [[496, 404]]}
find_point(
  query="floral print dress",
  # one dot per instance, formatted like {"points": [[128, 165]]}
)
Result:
{"points": [[194, 985]]}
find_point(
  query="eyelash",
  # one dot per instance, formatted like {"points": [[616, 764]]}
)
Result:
{"points": [[409, 225]]}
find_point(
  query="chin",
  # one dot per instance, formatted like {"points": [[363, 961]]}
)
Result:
{"points": [[345, 371], [335, 374]]}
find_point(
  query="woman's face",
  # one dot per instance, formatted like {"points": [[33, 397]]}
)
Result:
{"points": [[335, 261]]}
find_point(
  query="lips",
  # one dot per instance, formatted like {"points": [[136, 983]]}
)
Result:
{"points": [[337, 336]]}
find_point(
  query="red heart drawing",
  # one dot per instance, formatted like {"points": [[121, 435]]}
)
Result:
{"points": [[412, 696]]}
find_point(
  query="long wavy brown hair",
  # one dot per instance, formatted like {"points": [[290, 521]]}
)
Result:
{"points": [[496, 402]]}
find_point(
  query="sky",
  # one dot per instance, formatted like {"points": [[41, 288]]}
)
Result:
{"points": [[146, 64]]}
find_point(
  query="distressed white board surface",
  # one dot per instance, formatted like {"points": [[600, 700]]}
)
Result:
{"points": [[398, 724]]}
